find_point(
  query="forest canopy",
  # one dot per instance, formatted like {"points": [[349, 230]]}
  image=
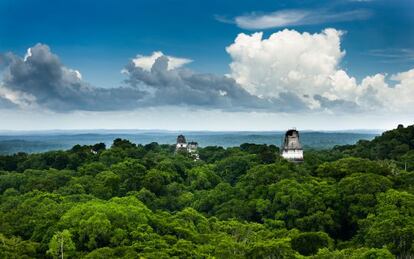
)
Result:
{"points": [[132, 201]]}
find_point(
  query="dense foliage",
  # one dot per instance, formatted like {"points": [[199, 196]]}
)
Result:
{"points": [[395, 144], [131, 201]]}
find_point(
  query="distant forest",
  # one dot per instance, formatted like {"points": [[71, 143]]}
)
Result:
{"points": [[147, 201]]}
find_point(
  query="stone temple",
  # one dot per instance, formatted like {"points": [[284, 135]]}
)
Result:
{"points": [[181, 143], [191, 147], [292, 149]]}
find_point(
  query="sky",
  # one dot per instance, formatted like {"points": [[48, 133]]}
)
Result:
{"points": [[206, 65]]}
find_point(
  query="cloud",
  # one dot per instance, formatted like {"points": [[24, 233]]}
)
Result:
{"points": [[183, 87], [286, 61], [308, 66], [288, 72], [14, 99], [40, 80], [393, 55], [146, 62], [294, 17], [397, 97]]}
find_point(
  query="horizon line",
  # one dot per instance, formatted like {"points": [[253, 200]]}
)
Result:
{"points": [[184, 130]]}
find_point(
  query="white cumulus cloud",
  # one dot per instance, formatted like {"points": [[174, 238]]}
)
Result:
{"points": [[146, 62], [308, 65], [290, 61], [399, 96]]}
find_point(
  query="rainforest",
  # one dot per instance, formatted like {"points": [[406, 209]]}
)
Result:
{"points": [[147, 201]]}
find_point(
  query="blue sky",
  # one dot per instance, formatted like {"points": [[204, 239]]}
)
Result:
{"points": [[99, 38]]}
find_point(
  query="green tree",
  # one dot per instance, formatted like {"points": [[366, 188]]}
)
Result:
{"points": [[308, 206], [131, 173], [231, 168], [14, 247], [354, 253], [350, 165], [156, 180], [97, 223], [392, 224], [93, 168], [309, 243], [358, 196], [106, 185], [279, 248], [61, 245]]}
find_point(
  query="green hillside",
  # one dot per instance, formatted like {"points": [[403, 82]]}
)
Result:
{"points": [[396, 144], [135, 201]]}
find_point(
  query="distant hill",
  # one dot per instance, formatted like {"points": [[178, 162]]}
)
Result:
{"points": [[31, 142], [396, 144]]}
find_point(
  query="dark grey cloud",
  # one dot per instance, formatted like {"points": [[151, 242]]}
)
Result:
{"points": [[183, 87], [42, 76], [5, 59], [340, 106], [41, 79]]}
